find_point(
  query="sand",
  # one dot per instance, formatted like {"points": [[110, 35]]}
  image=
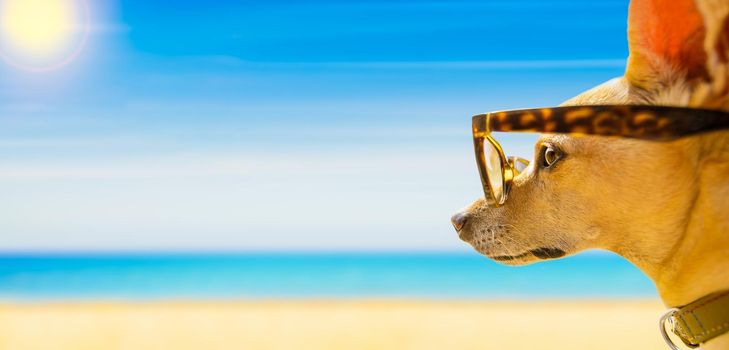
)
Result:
{"points": [[347, 325]]}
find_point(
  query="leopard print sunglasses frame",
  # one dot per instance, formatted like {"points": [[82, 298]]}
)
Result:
{"points": [[657, 123]]}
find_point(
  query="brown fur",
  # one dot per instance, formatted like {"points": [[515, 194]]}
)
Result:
{"points": [[662, 205]]}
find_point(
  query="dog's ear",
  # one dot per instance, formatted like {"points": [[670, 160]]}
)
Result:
{"points": [[689, 38]]}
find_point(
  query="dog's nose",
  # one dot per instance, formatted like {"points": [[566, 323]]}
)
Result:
{"points": [[459, 219]]}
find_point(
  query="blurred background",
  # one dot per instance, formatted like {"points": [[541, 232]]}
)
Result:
{"points": [[182, 174]]}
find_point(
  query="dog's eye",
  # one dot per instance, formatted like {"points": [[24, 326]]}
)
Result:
{"points": [[550, 155]]}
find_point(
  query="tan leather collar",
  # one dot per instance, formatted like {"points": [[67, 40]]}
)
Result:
{"points": [[699, 321]]}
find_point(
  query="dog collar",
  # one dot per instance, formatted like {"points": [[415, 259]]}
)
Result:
{"points": [[699, 321]]}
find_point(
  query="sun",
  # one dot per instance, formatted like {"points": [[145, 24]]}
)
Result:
{"points": [[39, 34]]}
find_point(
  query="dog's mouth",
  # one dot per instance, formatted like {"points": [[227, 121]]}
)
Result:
{"points": [[540, 253]]}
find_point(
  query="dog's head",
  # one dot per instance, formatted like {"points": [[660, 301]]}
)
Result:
{"points": [[625, 195]]}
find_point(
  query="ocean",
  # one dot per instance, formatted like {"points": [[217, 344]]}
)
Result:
{"points": [[31, 277]]}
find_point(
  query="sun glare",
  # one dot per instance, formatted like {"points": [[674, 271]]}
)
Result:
{"points": [[40, 33]]}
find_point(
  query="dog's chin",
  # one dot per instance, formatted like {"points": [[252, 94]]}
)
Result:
{"points": [[521, 258], [512, 261]]}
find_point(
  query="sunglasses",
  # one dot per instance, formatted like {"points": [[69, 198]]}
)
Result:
{"points": [[657, 123]]}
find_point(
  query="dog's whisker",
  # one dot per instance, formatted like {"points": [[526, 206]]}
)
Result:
{"points": [[518, 245]]}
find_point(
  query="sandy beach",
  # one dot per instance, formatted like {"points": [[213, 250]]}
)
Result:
{"points": [[332, 325]]}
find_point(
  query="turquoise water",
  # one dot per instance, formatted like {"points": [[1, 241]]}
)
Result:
{"points": [[351, 275]]}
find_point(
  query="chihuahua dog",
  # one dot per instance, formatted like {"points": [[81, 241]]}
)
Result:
{"points": [[664, 206]]}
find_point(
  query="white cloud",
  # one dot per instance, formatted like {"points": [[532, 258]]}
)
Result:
{"points": [[468, 65], [424, 65], [346, 199]]}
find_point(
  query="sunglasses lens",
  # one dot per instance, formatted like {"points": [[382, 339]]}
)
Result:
{"points": [[494, 170], [518, 164]]}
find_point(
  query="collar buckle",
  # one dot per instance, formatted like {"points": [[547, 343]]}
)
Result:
{"points": [[668, 318]]}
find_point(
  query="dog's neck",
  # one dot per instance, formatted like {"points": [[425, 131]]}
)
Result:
{"points": [[698, 263]]}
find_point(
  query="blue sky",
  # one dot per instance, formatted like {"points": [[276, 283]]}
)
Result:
{"points": [[250, 125]]}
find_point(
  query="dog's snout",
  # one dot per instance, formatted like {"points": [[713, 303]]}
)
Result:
{"points": [[459, 220]]}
